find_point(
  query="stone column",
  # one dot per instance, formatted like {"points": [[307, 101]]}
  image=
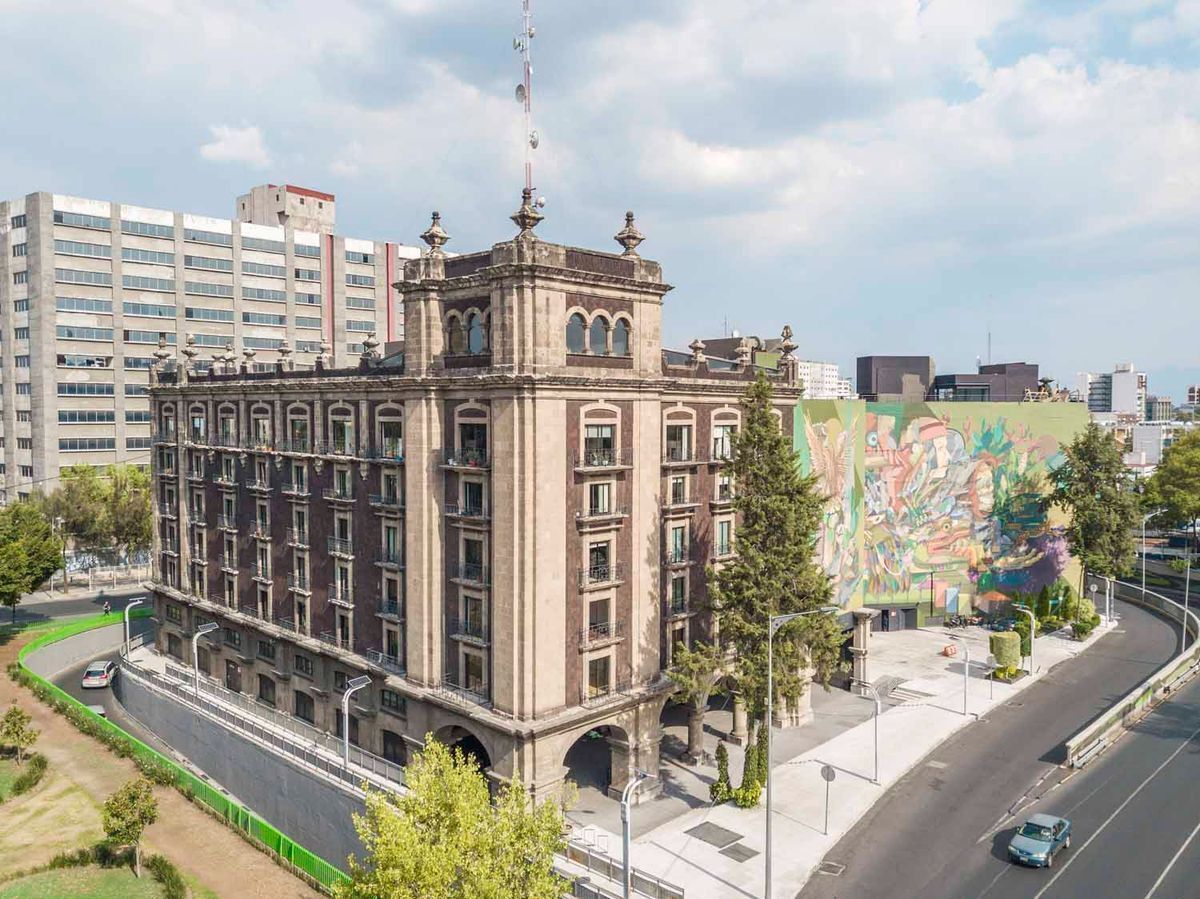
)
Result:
{"points": [[859, 646], [738, 735]]}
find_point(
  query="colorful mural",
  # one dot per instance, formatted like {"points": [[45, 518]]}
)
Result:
{"points": [[936, 504]]}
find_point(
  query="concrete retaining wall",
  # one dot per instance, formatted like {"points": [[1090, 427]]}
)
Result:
{"points": [[302, 805], [51, 659]]}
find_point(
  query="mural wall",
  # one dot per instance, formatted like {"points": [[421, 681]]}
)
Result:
{"points": [[937, 505]]}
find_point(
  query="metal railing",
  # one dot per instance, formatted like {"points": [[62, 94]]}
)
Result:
{"points": [[289, 488], [466, 457], [168, 510], [340, 546], [600, 514], [592, 696], [279, 729], [393, 558], [335, 641], [298, 583], [260, 572], [298, 537], [454, 510], [394, 664], [294, 446], [675, 556], [475, 574], [479, 694], [386, 501], [601, 632], [229, 522], [603, 458], [391, 607], [257, 485], [389, 452], [466, 627], [336, 448], [677, 607], [229, 563], [225, 480], [261, 530], [340, 596], [602, 574], [338, 494], [679, 454], [679, 499], [613, 868]]}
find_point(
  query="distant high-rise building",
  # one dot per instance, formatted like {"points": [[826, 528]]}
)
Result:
{"points": [[89, 288], [1159, 408], [895, 378], [1193, 395], [1003, 382], [1121, 391]]}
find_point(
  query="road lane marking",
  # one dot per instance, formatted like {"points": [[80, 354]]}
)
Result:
{"points": [[1175, 858], [1120, 808]]}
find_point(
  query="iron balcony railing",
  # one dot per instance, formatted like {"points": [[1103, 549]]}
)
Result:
{"points": [[677, 605], [261, 530], [339, 494], [340, 596], [466, 457], [601, 632], [225, 441], [679, 454], [258, 486], [601, 574], [253, 610], [475, 574], [336, 448], [392, 558], [224, 480], [388, 452], [604, 457], [294, 446], [603, 512], [298, 537], [386, 501], [391, 608], [478, 692], [598, 694], [298, 583], [477, 512], [259, 444], [229, 563], [468, 627], [340, 546], [164, 437], [260, 572], [335, 640], [393, 664], [168, 510], [290, 488], [227, 522], [195, 474], [678, 500], [675, 556]]}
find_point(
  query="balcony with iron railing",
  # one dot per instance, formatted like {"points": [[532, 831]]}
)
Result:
{"points": [[298, 537], [227, 522], [679, 455], [390, 664], [602, 575], [299, 583], [601, 514], [259, 443], [337, 641], [222, 479], [170, 547], [258, 486], [254, 611], [676, 555], [594, 695], [389, 502], [724, 498], [601, 634], [342, 547], [470, 629], [261, 573], [261, 530], [225, 441], [220, 599], [290, 488], [164, 437], [465, 457], [476, 513], [477, 692], [677, 607], [679, 502], [196, 473], [388, 451], [168, 510], [340, 596], [345, 447], [391, 558], [471, 573], [339, 494], [297, 446], [229, 564], [391, 609], [603, 458]]}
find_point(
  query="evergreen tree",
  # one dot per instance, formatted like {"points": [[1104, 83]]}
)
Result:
{"points": [[695, 673], [1094, 485], [773, 572]]}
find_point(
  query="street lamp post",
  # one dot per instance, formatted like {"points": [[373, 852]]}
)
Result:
{"points": [[875, 718], [626, 796], [353, 686], [774, 623], [129, 605], [200, 632], [1146, 518], [966, 667], [1187, 583], [1093, 588], [1032, 634]]}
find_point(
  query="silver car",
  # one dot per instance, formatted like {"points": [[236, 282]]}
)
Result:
{"points": [[100, 673]]}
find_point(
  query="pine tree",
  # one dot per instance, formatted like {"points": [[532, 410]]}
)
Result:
{"points": [[773, 572]]}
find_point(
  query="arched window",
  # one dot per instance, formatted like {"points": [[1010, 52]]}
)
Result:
{"points": [[576, 334], [474, 334], [598, 336], [454, 337], [620, 338]]}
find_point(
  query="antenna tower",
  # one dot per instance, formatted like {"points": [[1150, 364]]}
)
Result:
{"points": [[525, 89]]}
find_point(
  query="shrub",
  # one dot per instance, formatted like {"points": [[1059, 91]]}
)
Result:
{"points": [[1021, 629], [1005, 646], [168, 875], [1051, 623], [721, 789], [1080, 629], [31, 776], [764, 769]]}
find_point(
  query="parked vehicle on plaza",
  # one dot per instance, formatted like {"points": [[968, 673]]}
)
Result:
{"points": [[1039, 840]]}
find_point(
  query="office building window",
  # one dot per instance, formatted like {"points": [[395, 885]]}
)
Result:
{"points": [[208, 263], [72, 332], [78, 220], [363, 258], [148, 257], [138, 362], [85, 416], [270, 296], [83, 304], [146, 229], [308, 299], [308, 274], [21, 333], [199, 313], [149, 310], [212, 237], [308, 322], [263, 245], [263, 270], [17, 221], [86, 444], [204, 289], [140, 282], [365, 327], [23, 277], [78, 248], [305, 250], [360, 280], [263, 318]]}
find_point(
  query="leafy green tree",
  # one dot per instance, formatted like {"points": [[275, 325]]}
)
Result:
{"points": [[79, 502], [129, 510], [30, 552], [773, 572], [445, 839], [16, 732], [695, 673], [1094, 485], [1175, 484], [126, 815]]}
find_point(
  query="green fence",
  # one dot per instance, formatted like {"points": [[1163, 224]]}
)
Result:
{"points": [[234, 814]]}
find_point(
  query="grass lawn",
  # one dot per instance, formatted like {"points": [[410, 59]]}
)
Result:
{"points": [[83, 883], [8, 773], [58, 816]]}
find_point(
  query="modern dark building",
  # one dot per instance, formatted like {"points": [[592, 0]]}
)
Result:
{"points": [[901, 379], [1004, 382]]}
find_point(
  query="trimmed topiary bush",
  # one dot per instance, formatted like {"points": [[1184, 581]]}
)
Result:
{"points": [[721, 789], [1005, 647]]}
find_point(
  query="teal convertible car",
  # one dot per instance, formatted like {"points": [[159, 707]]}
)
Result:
{"points": [[1039, 839]]}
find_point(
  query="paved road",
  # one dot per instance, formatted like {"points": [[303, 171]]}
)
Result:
{"points": [[66, 607], [933, 834], [71, 681]]}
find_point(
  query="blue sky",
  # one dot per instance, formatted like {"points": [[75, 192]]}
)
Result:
{"points": [[887, 177]]}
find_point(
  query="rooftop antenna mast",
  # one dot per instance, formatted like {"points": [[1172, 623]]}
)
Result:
{"points": [[525, 89]]}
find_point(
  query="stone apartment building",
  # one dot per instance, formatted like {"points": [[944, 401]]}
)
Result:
{"points": [[88, 287], [505, 526]]}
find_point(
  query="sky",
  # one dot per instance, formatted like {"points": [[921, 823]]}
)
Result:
{"points": [[886, 176]]}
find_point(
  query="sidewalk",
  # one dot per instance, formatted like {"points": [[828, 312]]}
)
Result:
{"points": [[724, 856]]}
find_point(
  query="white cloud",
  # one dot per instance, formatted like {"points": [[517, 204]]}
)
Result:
{"points": [[231, 144]]}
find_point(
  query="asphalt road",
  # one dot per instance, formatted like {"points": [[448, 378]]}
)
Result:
{"points": [[66, 607], [71, 681], [938, 832]]}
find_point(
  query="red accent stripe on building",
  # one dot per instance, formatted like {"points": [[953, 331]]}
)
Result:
{"points": [[308, 192], [391, 334], [331, 294]]}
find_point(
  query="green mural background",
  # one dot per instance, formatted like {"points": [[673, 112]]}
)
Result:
{"points": [[937, 505]]}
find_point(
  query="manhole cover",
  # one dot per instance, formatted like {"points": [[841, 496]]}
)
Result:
{"points": [[739, 852], [714, 834], [833, 869]]}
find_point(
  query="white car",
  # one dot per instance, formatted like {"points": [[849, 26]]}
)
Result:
{"points": [[100, 673]]}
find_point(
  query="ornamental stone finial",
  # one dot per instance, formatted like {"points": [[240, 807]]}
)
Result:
{"points": [[370, 346], [697, 348], [527, 217], [744, 353], [189, 348], [786, 345], [162, 354], [435, 236], [629, 237]]}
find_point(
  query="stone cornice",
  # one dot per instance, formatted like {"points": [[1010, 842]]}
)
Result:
{"points": [[486, 277]]}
